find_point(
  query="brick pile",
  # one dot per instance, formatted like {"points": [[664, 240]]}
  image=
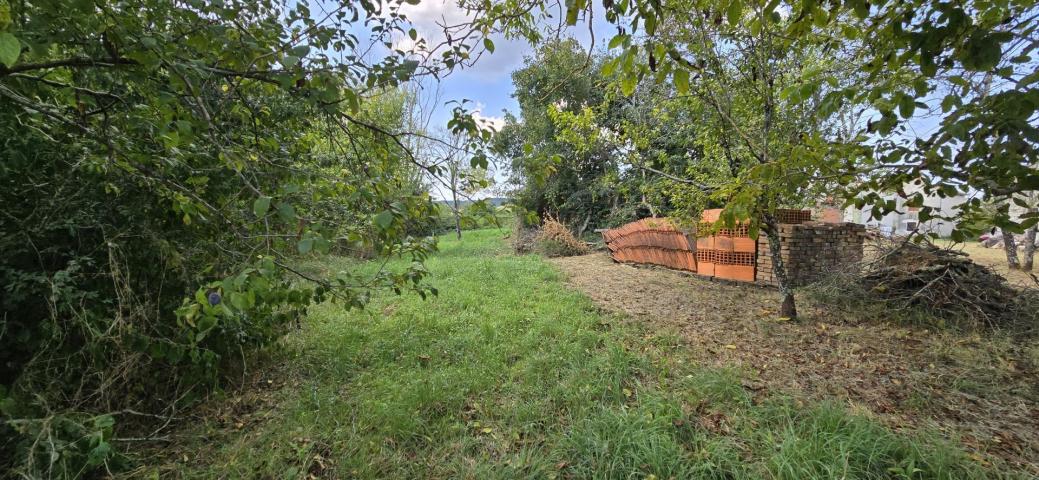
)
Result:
{"points": [[728, 253], [655, 241], [784, 215], [811, 250]]}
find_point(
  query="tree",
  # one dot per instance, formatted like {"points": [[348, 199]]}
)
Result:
{"points": [[1029, 248], [552, 177], [462, 179], [757, 126]]}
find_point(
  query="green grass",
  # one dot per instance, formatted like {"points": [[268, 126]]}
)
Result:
{"points": [[508, 374]]}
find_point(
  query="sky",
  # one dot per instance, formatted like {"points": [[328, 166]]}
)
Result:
{"points": [[488, 84]]}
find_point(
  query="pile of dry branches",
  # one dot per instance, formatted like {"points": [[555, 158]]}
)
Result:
{"points": [[523, 237], [556, 240], [947, 284]]}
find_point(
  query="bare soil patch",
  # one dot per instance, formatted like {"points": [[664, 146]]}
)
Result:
{"points": [[982, 391]]}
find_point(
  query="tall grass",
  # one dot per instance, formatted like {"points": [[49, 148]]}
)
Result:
{"points": [[508, 374]]}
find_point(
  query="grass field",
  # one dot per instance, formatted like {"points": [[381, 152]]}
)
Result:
{"points": [[994, 258], [508, 374]]}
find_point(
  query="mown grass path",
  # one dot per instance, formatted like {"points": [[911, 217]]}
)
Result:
{"points": [[508, 374]]}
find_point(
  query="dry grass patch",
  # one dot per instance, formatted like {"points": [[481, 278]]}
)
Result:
{"points": [[983, 390]]}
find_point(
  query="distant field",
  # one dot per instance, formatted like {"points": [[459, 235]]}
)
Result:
{"points": [[994, 258]]}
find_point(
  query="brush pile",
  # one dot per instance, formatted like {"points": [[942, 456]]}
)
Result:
{"points": [[947, 284], [524, 237], [556, 240]]}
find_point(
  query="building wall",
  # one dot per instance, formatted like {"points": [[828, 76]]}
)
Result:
{"points": [[904, 219]]}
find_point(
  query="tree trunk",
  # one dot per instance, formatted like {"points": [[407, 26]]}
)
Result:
{"points": [[788, 308], [458, 215], [1010, 246], [584, 226], [1029, 251]]}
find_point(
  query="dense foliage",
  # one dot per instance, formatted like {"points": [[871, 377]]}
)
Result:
{"points": [[551, 177], [585, 152], [164, 164]]}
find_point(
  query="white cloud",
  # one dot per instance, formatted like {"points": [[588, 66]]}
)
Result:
{"points": [[492, 122], [429, 17]]}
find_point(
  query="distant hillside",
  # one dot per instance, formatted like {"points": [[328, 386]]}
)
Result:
{"points": [[493, 201]]}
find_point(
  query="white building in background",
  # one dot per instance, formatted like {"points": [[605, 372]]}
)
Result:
{"points": [[905, 219]]}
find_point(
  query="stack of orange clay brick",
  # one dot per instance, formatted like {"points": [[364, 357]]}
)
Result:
{"points": [[728, 253], [811, 250], [655, 241]]}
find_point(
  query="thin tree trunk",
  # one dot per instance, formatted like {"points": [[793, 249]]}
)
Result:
{"points": [[788, 308], [458, 219], [584, 226], [1029, 252], [1010, 246]]}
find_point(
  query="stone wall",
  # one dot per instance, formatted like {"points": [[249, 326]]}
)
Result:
{"points": [[811, 250]]}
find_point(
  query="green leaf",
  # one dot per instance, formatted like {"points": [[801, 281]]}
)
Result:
{"points": [[628, 84], [571, 14], [820, 18], [651, 23], [384, 219], [861, 8], [618, 40], [207, 322], [261, 205], [286, 212], [99, 454], [238, 300], [488, 44], [10, 48], [735, 12], [305, 245], [5, 14], [982, 52], [681, 77], [906, 106]]}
